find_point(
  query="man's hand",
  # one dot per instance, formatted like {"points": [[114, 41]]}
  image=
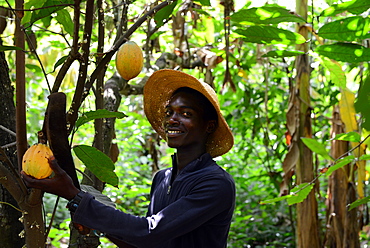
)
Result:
{"points": [[60, 184]]}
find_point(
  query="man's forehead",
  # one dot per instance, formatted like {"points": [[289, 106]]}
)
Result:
{"points": [[185, 100]]}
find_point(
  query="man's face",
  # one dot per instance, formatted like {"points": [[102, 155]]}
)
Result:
{"points": [[184, 122]]}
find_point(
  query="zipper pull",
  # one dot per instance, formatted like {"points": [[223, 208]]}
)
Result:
{"points": [[169, 189]]}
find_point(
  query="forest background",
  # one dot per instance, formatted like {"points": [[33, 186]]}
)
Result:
{"points": [[292, 79]]}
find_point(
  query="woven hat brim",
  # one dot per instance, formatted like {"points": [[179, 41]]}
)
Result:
{"points": [[159, 89]]}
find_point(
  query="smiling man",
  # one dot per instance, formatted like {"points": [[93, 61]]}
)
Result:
{"points": [[193, 201]]}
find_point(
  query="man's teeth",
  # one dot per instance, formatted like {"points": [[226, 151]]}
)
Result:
{"points": [[173, 132]]}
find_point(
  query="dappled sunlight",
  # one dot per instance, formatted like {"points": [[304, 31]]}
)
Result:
{"points": [[264, 14], [359, 52]]}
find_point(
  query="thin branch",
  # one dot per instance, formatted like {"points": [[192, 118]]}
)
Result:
{"points": [[9, 145], [359, 144], [80, 89], [52, 217], [53, 32], [8, 130], [7, 203]]}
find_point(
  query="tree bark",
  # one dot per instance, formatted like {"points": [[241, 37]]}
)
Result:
{"points": [[307, 218], [342, 227], [10, 226]]}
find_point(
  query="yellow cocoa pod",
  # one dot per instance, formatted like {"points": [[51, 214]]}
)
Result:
{"points": [[129, 60], [36, 161]]}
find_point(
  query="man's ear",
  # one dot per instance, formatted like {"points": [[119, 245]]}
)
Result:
{"points": [[211, 126]]}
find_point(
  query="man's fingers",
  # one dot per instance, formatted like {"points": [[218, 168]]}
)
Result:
{"points": [[30, 181], [55, 166]]}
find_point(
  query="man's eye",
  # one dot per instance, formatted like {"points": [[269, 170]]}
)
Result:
{"points": [[186, 114]]}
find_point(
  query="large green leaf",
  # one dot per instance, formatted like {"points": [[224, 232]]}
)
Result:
{"points": [[277, 199], [64, 18], [337, 75], [270, 35], [297, 195], [359, 202], [339, 164], [265, 15], [355, 7], [316, 147], [97, 114], [351, 136], [9, 48], [362, 102], [348, 29], [346, 52], [164, 13], [98, 163], [300, 193], [44, 8]]}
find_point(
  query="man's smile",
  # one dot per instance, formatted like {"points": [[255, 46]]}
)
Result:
{"points": [[172, 133]]}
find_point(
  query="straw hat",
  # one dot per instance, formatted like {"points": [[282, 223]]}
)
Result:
{"points": [[158, 91]]}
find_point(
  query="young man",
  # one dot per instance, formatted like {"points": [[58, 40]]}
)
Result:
{"points": [[191, 203]]}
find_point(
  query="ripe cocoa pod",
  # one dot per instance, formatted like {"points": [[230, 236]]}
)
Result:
{"points": [[36, 161], [129, 60]]}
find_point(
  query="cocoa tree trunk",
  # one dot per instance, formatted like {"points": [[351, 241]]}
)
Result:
{"points": [[342, 227], [10, 226], [307, 218]]}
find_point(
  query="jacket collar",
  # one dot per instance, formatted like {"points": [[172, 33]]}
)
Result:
{"points": [[197, 164]]}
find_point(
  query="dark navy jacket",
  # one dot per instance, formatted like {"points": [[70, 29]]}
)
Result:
{"points": [[193, 210]]}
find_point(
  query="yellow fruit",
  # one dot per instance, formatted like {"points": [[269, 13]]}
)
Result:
{"points": [[35, 161], [129, 60]]}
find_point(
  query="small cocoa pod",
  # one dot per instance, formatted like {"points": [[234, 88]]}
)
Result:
{"points": [[36, 161], [129, 60]]}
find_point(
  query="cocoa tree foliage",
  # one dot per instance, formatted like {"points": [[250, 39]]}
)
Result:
{"points": [[246, 50]]}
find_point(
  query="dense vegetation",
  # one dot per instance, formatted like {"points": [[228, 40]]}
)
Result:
{"points": [[249, 53]]}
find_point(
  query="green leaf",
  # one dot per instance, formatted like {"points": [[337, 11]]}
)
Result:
{"points": [[44, 9], [365, 157], [98, 163], [351, 136], [100, 113], [359, 202], [60, 62], [346, 52], [339, 164], [164, 14], [277, 199], [299, 193], [31, 4], [348, 29], [9, 48], [64, 18], [270, 35], [317, 147], [337, 75], [34, 68], [362, 102], [265, 15], [355, 7], [282, 54]]}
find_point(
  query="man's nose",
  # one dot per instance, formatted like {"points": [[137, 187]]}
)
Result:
{"points": [[173, 119]]}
